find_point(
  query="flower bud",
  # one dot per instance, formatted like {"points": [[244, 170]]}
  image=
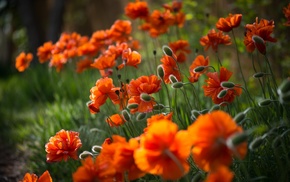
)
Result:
{"points": [[228, 85], [158, 107], [260, 74], [199, 69], [172, 79], [177, 85], [132, 106], [222, 93], [260, 44], [167, 51], [265, 102], [145, 97], [237, 139], [141, 116], [85, 154], [96, 148], [126, 115], [256, 143], [240, 117], [160, 71]]}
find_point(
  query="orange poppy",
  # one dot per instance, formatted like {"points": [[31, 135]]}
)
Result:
{"points": [[100, 38], [94, 170], [138, 9], [45, 177], [130, 58], [115, 120], [156, 118], [179, 19], [57, 61], [180, 49], [83, 65], [103, 89], [198, 61], [209, 134], [263, 29], [286, 11], [62, 146], [120, 31], [213, 87], [228, 23], [44, 52], [164, 150], [213, 39], [170, 68], [104, 62], [87, 49], [221, 174], [23, 61], [174, 7]]}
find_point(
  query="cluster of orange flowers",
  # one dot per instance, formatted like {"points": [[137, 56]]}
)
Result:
{"points": [[162, 149]]}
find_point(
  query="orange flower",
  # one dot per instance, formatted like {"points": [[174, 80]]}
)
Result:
{"points": [[213, 87], [170, 68], [286, 11], [104, 62], [58, 61], [45, 177], [138, 9], [209, 134], [263, 29], [213, 39], [198, 61], [156, 118], [115, 120], [22, 61], [228, 23], [130, 58], [94, 170], [101, 38], [104, 89], [143, 85], [87, 49], [221, 174], [174, 7], [120, 31], [83, 64], [44, 52], [62, 146], [180, 49], [164, 150]]}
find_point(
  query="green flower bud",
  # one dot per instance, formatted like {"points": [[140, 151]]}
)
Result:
{"points": [[145, 97], [260, 44], [160, 71], [265, 102], [240, 117], [260, 74], [85, 154], [141, 116], [199, 69], [167, 51], [126, 115], [172, 79], [158, 107], [132, 106], [237, 139], [256, 143], [222, 93], [228, 85], [177, 85]]}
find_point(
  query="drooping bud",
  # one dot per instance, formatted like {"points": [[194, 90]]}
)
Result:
{"points": [[173, 79], [214, 107], [141, 116], [240, 117], [222, 93], [265, 102], [199, 69], [126, 115], [145, 97], [177, 85], [132, 106], [256, 143], [158, 107], [96, 148], [160, 71], [236, 139], [84, 154], [167, 51], [260, 74], [260, 44], [228, 85]]}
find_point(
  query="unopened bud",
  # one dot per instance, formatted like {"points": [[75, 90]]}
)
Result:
{"points": [[145, 97], [177, 85], [237, 139], [141, 116], [167, 51], [132, 106], [240, 117], [160, 71], [126, 115], [96, 148], [158, 107], [260, 74], [199, 69], [85, 154], [172, 79], [222, 93], [228, 85], [265, 102], [260, 44], [256, 143]]}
